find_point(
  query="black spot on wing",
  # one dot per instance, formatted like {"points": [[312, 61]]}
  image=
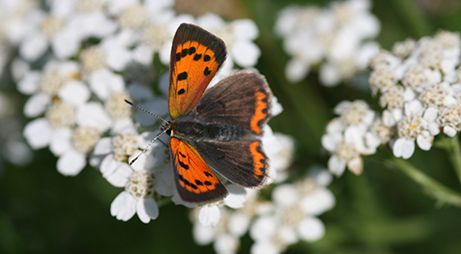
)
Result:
{"points": [[186, 182], [197, 57], [182, 76], [181, 91], [207, 71], [184, 52], [192, 50], [206, 58], [183, 165]]}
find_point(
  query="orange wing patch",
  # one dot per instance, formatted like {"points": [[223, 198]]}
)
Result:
{"points": [[196, 182], [195, 66], [259, 159], [261, 113], [196, 56]]}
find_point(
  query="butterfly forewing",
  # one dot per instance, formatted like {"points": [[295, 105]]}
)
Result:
{"points": [[196, 56], [195, 181]]}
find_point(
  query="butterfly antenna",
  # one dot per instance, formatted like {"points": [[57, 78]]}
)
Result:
{"points": [[157, 117], [148, 147]]}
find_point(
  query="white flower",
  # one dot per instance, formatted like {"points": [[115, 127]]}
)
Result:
{"points": [[292, 218], [279, 148], [57, 79], [418, 86], [337, 37], [352, 135], [418, 125], [142, 180]]}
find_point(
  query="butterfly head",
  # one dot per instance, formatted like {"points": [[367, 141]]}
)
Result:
{"points": [[166, 127]]}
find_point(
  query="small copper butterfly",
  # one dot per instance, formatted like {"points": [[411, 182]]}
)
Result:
{"points": [[215, 133]]}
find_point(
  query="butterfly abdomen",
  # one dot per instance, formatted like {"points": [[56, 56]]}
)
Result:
{"points": [[209, 131]]}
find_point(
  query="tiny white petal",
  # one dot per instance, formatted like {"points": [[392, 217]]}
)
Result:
{"points": [[226, 244], [449, 131], [123, 207], [38, 133], [36, 104], [424, 142], [74, 92], [403, 148], [202, 234], [336, 165], [104, 146], [29, 83], [311, 229], [33, 46], [147, 209], [209, 215], [237, 196], [115, 172], [245, 53], [71, 163], [238, 224], [285, 195], [93, 115], [61, 141], [264, 247]]}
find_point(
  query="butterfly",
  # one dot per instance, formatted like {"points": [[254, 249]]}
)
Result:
{"points": [[215, 133]]}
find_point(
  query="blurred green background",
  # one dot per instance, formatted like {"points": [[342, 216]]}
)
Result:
{"points": [[381, 211]]}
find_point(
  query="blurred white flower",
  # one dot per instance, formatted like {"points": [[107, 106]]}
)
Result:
{"points": [[292, 217], [238, 35], [337, 38], [273, 225]]}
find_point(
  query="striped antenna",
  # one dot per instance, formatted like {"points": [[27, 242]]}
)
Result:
{"points": [[164, 128]]}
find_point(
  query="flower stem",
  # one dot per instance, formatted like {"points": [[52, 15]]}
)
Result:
{"points": [[455, 155], [411, 13], [433, 188]]}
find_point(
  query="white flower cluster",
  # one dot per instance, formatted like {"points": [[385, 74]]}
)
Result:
{"points": [[289, 217], [79, 59], [357, 131], [337, 39], [419, 88]]}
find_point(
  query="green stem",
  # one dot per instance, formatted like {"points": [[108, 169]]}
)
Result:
{"points": [[433, 188], [455, 155], [412, 14]]}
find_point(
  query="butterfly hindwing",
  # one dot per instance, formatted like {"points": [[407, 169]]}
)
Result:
{"points": [[195, 181], [242, 162], [242, 99], [196, 56]]}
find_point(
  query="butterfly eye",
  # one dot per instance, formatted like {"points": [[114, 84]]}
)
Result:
{"points": [[168, 132]]}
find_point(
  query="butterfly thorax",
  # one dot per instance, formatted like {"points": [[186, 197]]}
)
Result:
{"points": [[193, 129]]}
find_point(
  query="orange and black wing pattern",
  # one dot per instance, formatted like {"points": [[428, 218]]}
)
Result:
{"points": [[242, 162], [242, 99], [196, 56], [195, 181]]}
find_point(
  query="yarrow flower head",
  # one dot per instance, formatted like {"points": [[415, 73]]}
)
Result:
{"points": [[418, 85], [357, 131], [337, 38]]}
